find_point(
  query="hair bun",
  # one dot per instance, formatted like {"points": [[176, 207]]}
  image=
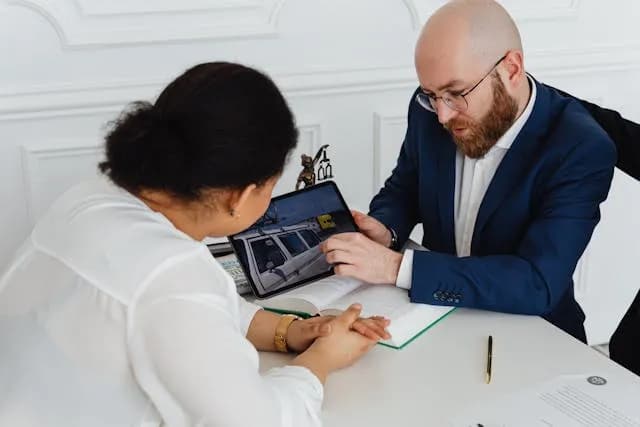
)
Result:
{"points": [[142, 146]]}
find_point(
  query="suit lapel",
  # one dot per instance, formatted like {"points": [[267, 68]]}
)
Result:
{"points": [[515, 163], [508, 175]]}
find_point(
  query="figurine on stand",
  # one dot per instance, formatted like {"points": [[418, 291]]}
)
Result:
{"points": [[307, 176]]}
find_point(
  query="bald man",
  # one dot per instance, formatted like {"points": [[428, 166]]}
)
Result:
{"points": [[505, 175]]}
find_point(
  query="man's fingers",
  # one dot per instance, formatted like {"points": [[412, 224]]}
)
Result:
{"points": [[339, 256], [347, 237], [366, 222], [347, 270], [333, 243], [337, 241], [352, 242]]}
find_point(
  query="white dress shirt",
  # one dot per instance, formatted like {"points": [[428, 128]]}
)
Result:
{"points": [[473, 177], [110, 316]]}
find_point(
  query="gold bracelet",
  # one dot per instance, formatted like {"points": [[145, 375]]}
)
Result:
{"points": [[280, 337]]}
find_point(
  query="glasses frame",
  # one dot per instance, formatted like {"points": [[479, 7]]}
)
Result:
{"points": [[430, 102]]}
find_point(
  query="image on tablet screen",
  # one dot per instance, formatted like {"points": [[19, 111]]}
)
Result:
{"points": [[282, 248]]}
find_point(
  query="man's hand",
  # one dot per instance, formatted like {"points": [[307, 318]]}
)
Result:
{"points": [[302, 333], [357, 256], [372, 228]]}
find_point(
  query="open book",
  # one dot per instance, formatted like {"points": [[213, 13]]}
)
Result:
{"points": [[334, 294]]}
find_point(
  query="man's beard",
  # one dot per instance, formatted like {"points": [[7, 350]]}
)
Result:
{"points": [[481, 136]]}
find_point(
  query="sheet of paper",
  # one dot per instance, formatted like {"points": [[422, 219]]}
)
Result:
{"points": [[377, 300], [215, 240], [568, 401], [407, 319], [232, 266], [321, 293]]}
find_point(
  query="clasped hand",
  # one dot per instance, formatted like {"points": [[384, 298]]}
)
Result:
{"points": [[302, 333]]}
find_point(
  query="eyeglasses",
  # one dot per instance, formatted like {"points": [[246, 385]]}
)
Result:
{"points": [[455, 101]]}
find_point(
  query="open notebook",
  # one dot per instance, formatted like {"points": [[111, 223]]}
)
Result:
{"points": [[334, 294]]}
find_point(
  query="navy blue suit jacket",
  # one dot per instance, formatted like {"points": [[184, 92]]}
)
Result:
{"points": [[534, 222]]}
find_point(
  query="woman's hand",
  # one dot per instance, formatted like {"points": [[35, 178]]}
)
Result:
{"points": [[340, 348], [302, 333]]}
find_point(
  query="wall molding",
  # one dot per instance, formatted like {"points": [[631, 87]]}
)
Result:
{"points": [[37, 156], [33, 158], [522, 11], [91, 8], [382, 126], [542, 10], [37, 102], [585, 60], [110, 24], [414, 14], [51, 101], [81, 24], [314, 133], [54, 101]]}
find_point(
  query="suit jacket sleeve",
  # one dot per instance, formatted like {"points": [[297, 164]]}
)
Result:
{"points": [[535, 277]]}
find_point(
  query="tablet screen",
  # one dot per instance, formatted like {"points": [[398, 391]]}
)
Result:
{"points": [[281, 250]]}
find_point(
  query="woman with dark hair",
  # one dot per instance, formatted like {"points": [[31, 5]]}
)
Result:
{"points": [[114, 313]]}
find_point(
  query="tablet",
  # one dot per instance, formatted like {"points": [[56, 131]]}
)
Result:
{"points": [[281, 250]]}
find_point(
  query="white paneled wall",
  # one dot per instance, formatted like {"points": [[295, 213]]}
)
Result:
{"points": [[69, 66]]}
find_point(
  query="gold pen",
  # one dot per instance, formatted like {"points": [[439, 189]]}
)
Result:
{"points": [[489, 356]]}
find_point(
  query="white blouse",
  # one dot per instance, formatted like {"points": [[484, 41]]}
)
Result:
{"points": [[110, 316]]}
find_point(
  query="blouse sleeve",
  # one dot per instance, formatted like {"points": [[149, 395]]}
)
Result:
{"points": [[190, 355]]}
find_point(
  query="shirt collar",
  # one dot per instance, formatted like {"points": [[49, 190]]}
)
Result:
{"points": [[511, 134]]}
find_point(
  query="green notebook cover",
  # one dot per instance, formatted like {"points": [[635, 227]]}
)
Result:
{"points": [[406, 343], [419, 333]]}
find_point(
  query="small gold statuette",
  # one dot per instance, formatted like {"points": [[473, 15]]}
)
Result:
{"points": [[308, 175]]}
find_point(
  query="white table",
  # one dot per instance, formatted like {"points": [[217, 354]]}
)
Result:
{"points": [[443, 371]]}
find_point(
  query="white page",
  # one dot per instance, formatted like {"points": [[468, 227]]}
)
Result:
{"points": [[215, 240], [377, 300], [566, 401], [407, 318], [232, 266], [321, 293]]}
